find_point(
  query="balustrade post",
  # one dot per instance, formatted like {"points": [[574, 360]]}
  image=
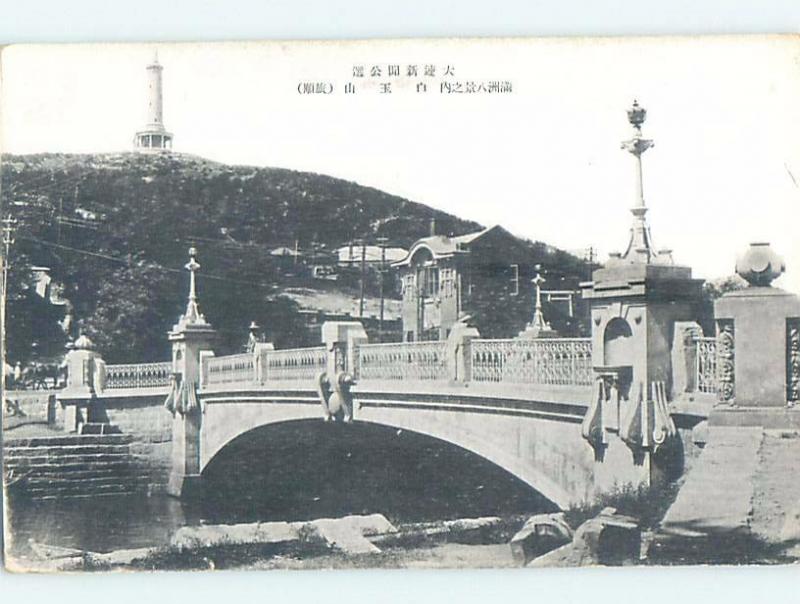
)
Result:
{"points": [[459, 352], [260, 369], [342, 339], [685, 358], [85, 378]]}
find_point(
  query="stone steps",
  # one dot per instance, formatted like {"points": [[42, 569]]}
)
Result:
{"points": [[87, 465], [69, 440], [58, 451]]}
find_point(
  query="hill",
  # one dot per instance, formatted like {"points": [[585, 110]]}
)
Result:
{"points": [[115, 228]]}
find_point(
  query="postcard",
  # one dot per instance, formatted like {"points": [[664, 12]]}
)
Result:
{"points": [[441, 303]]}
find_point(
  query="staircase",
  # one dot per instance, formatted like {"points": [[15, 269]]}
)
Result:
{"points": [[75, 466]]}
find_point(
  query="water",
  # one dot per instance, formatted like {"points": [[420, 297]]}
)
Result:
{"points": [[292, 471]]}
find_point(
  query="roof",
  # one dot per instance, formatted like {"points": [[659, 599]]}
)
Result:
{"points": [[372, 253], [284, 251], [442, 246]]}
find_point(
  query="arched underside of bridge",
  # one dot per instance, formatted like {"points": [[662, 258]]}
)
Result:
{"points": [[307, 468], [546, 453]]}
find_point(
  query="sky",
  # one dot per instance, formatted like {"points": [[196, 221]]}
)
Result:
{"points": [[544, 160]]}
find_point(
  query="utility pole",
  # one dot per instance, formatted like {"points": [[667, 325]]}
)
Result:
{"points": [[590, 260], [363, 278], [9, 225], [381, 272]]}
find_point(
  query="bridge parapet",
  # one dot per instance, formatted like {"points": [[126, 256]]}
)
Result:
{"points": [[138, 375], [555, 361], [401, 361]]}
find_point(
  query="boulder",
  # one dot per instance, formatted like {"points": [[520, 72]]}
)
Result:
{"points": [[349, 534], [540, 534], [607, 539], [188, 537], [610, 537]]}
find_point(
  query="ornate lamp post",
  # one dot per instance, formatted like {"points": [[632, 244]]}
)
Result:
{"points": [[640, 246]]}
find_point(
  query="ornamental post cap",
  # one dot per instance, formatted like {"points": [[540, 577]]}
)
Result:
{"points": [[83, 343], [760, 265], [636, 114]]}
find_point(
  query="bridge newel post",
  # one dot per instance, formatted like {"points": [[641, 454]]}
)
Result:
{"points": [[342, 339], [191, 339], [85, 380], [636, 300], [260, 352], [459, 351]]}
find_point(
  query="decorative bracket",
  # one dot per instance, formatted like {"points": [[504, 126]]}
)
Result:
{"points": [[648, 425]]}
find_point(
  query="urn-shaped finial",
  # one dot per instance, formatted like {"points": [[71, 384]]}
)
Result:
{"points": [[760, 265], [637, 114]]}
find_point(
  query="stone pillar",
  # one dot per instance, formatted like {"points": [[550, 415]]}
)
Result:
{"points": [[342, 338], [85, 379], [684, 357], [636, 300], [459, 351], [757, 343], [191, 337]]}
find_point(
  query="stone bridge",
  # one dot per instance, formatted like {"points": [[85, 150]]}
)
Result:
{"points": [[571, 417]]}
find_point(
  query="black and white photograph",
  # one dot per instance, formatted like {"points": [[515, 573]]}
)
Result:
{"points": [[449, 303]]}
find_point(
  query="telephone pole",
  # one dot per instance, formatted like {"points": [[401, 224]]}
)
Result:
{"points": [[9, 225], [363, 278], [382, 241]]}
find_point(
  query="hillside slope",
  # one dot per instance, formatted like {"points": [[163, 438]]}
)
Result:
{"points": [[114, 229]]}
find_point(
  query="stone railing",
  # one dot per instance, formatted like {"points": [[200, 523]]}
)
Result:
{"points": [[559, 362], [403, 361], [706, 365], [138, 375], [294, 363], [231, 369]]}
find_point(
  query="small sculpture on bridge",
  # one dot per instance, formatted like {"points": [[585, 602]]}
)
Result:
{"points": [[335, 396]]}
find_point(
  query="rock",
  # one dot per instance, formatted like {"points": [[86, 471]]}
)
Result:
{"points": [[472, 524], [791, 525], [349, 534], [540, 534], [608, 538], [611, 538], [122, 556], [188, 537]]}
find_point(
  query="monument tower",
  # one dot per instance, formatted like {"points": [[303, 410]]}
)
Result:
{"points": [[154, 136]]}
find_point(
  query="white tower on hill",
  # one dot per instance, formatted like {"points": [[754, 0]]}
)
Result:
{"points": [[154, 137]]}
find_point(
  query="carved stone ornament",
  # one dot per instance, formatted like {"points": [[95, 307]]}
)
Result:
{"points": [[725, 361], [647, 425], [335, 396], [760, 265], [793, 361]]}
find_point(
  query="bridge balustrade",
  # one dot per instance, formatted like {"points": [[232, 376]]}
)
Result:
{"points": [[295, 363], [138, 375], [403, 361], [706, 365], [559, 361], [231, 369]]}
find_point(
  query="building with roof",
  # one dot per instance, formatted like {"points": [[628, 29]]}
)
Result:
{"points": [[482, 277]]}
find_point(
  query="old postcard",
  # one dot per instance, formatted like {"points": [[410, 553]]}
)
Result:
{"points": [[415, 303]]}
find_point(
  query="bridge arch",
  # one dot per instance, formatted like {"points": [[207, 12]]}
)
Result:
{"points": [[498, 444]]}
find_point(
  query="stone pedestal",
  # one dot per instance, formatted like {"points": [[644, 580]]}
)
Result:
{"points": [[758, 333], [761, 317]]}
